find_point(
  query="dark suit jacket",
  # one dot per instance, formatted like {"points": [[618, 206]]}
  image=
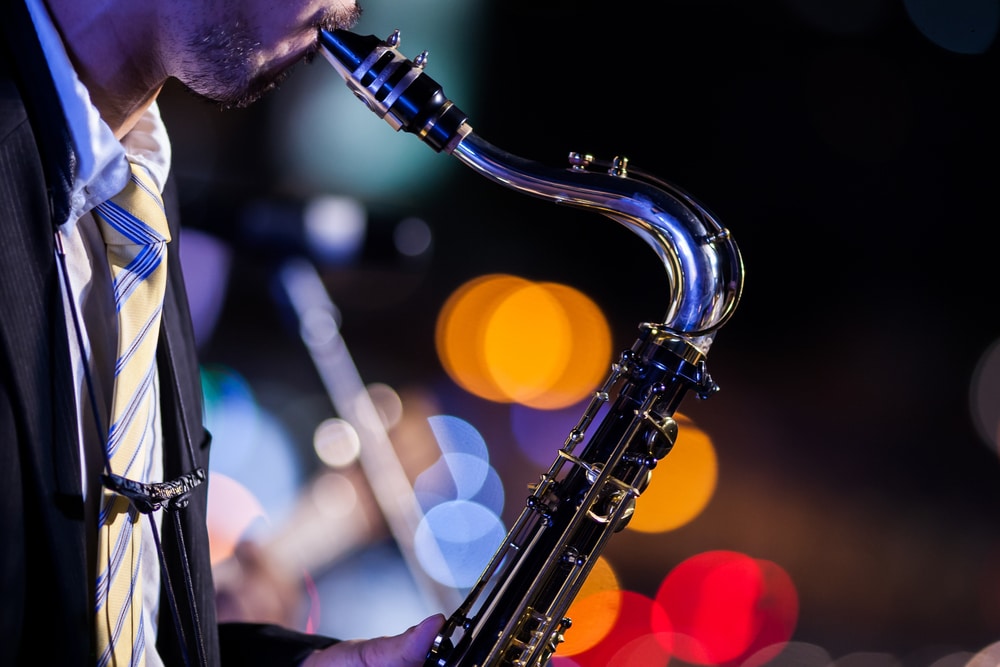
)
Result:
{"points": [[46, 608]]}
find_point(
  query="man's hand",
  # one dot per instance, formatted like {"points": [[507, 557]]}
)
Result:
{"points": [[408, 649]]}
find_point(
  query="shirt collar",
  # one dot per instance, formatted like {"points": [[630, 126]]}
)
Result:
{"points": [[101, 160]]}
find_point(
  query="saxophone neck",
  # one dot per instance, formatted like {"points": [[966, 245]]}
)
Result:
{"points": [[703, 263]]}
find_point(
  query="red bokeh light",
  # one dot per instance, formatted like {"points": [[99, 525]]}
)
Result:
{"points": [[725, 606], [631, 640]]}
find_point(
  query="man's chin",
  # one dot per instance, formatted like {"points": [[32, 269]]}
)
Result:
{"points": [[257, 89]]}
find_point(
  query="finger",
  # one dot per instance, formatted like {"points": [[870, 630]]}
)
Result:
{"points": [[407, 649], [418, 639]]}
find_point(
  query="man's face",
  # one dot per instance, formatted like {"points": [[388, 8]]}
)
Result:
{"points": [[234, 51]]}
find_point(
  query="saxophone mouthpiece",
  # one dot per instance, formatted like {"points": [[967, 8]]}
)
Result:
{"points": [[395, 88]]}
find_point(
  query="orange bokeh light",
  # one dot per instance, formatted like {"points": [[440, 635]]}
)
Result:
{"points": [[460, 331], [638, 631], [681, 485], [510, 340], [594, 610], [525, 346]]}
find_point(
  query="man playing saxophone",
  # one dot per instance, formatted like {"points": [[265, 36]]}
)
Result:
{"points": [[78, 122]]}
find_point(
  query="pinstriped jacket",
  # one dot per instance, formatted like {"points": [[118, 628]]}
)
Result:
{"points": [[46, 613]]}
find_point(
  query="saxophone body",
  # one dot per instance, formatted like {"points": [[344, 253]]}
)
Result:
{"points": [[514, 616]]}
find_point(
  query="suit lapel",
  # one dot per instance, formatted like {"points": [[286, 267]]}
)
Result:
{"points": [[41, 101], [32, 315]]}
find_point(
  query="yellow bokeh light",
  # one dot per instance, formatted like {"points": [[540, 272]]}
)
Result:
{"points": [[589, 357], [682, 484], [460, 331], [507, 339], [525, 347], [594, 610]]}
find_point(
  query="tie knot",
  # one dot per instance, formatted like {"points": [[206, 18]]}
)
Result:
{"points": [[135, 215]]}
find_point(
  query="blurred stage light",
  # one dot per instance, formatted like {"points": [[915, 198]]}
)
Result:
{"points": [[724, 606], [412, 237], [464, 451], [335, 228], [680, 488], [961, 26], [334, 495], [233, 510], [455, 540], [206, 261], [984, 397], [959, 659], [462, 498], [510, 340], [636, 638], [539, 434], [987, 657], [336, 442], [248, 444], [594, 611]]}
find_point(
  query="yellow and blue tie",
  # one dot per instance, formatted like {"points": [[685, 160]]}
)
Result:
{"points": [[135, 232]]}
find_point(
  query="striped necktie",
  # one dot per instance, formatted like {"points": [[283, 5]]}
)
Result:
{"points": [[135, 231]]}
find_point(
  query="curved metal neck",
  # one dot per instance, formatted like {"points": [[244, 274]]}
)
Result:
{"points": [[703, 263]]}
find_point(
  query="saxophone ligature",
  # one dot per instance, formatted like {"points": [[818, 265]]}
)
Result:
{"points": [[515, 614]]}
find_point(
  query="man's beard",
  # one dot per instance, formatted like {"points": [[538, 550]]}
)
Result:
{"points": [[223, 62], [223, 67]]}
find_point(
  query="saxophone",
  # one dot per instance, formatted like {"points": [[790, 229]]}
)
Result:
{"points": [[515, 614]]}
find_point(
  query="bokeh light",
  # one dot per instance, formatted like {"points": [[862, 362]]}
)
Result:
{"points": [[249, 444], [412, 237], [539, 434], [523, 344], [387, 402], [459, 332], [724, 606], [233, 510], [987, 657], [959, 659], [984, 396], [507, 339], [334, 227], [455, 541], [639, 618], [462, 497], [463, 450], [681, 486], [961, 26], [206, 260], [336, 442], [595, 609]]}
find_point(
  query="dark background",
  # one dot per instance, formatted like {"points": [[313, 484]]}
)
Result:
{"points": [[854, 160]]}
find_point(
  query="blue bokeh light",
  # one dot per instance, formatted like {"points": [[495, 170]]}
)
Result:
{"points": [[455, 540]]}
